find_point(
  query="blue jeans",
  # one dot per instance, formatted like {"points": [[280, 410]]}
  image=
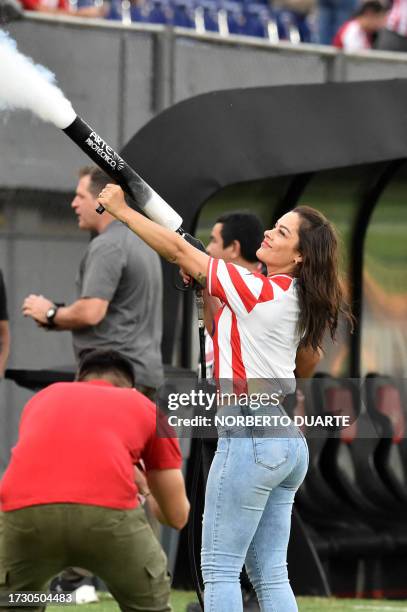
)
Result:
{"points": [[248, 503]]}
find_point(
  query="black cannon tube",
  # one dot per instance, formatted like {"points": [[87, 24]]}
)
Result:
{"points": [[108, 160]]}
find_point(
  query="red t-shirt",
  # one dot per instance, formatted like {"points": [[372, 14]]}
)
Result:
{"points": [[78, 443]]}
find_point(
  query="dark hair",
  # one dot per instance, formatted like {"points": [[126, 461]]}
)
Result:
{"points": [[244, 227], [98, 179], [319, 290], [370, 6], [100, 362]]}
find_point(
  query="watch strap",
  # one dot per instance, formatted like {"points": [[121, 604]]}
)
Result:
{"points": [[51, 312]]}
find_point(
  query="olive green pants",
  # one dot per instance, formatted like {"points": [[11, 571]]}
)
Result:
{"points": [[38, 542]]}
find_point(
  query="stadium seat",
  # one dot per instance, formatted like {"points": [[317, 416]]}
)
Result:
{"points": [[348, 458], [234, 16], [388, 412], [154, 12], [183, 14], [115, 12], [85, 3], [304, 28], [159, 12], [287, 26], [386, 405], [256, 20], [206, 17]]}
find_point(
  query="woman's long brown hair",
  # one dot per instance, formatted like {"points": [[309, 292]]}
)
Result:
{"points": [[319, 291]]}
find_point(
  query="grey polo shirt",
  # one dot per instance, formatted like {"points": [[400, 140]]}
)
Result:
{"points": [[120, 268]]}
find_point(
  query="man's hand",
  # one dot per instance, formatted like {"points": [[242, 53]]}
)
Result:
{"points": [[141, 481], [36, 307], [186, 278]]}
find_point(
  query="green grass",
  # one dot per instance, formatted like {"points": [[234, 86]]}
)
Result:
{"points": [[318, 604], [180, 599]]}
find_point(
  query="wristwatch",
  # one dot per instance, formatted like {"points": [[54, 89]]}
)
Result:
{"points": [[50, 315]]}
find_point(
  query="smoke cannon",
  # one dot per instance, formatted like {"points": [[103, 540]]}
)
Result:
{"points": [[104, 156], [26, 85], [145, 197]]}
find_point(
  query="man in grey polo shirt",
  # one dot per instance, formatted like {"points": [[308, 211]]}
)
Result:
{"points": [[119, 283]]}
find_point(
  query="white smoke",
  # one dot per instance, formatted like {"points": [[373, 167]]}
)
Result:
{"points": [[25, 85]]}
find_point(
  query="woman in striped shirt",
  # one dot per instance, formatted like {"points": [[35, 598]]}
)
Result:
{"points": [[259, 323]]}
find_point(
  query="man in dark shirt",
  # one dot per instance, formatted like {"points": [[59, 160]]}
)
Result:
{"points": [[4, 328]]}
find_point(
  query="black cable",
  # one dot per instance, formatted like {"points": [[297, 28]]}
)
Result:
{"points": [[193, 518], [202, 355], [193, 524]]}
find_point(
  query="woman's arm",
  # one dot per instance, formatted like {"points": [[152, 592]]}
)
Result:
{"points": [[306, 361], [165, 242]]}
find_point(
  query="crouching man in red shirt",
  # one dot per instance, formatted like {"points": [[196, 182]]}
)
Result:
{"points": [[69, 496]]}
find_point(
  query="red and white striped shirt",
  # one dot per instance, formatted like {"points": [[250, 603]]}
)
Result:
{"points": [[256, 328], [352, 37], [397, 19]]}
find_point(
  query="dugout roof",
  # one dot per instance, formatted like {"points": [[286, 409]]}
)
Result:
{"points": [[203, 144]]}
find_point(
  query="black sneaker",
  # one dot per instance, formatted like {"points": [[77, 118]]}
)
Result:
{"points": [[250, 602], [82, 590]]}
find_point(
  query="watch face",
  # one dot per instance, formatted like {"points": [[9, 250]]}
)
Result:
{"points": [[51, 312]]}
